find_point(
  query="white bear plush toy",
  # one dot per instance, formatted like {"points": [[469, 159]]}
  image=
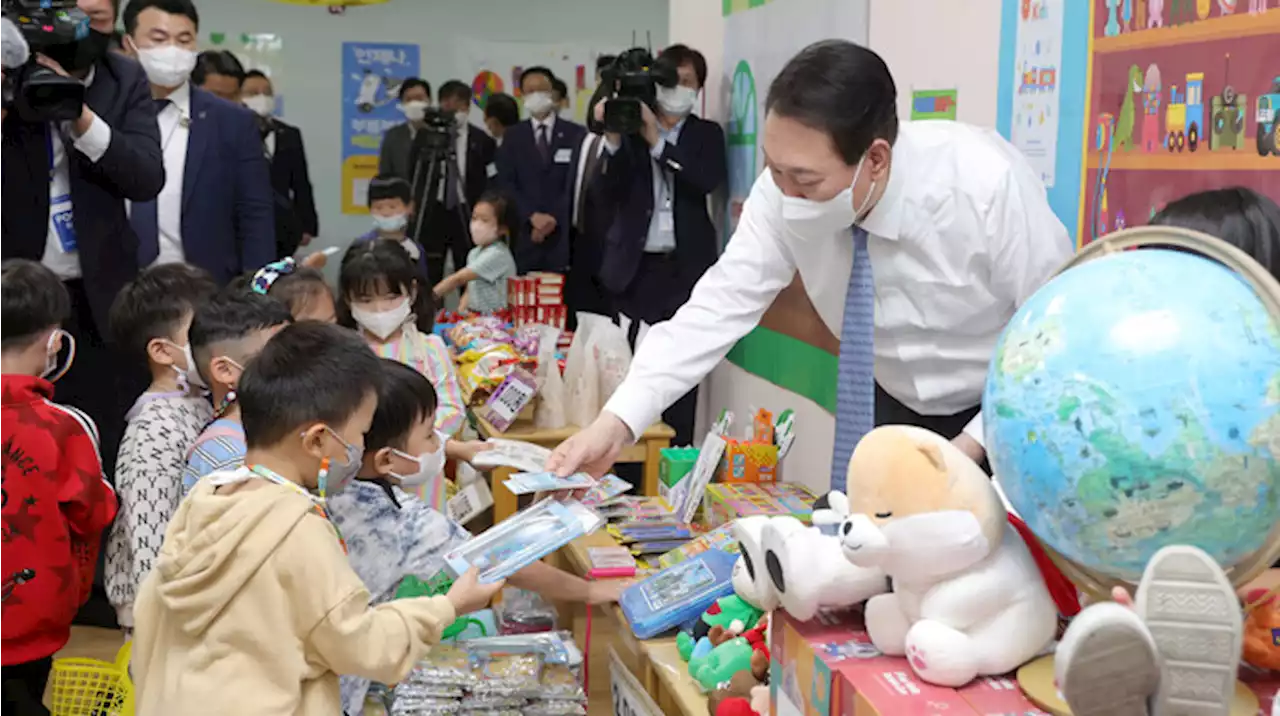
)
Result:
{"points": [[968, 598]]}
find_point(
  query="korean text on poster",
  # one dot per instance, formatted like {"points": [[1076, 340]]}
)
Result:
{"points": [[371, 77]]}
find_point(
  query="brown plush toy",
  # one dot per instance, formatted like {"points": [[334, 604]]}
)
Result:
{"points": [[740, 686]]}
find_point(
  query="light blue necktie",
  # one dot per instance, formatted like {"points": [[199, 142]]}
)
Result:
{"points": [[855, 379]]}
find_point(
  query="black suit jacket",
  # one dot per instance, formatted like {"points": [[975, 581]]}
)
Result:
{"points": [[295, 201], [132, 168], [696, 164], [539, 186], [481, 151]]}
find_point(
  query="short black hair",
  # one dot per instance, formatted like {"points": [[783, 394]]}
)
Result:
{"points": [[603, 61], [308, 373], [538, 70], [186, 8], [502, 107], [503, 207], [217, 62], [372, 266], [842, 89], [454, 89], [389, 187], [152, 305], [679, 55], [558, 87], [405, 399], [229, 316], [414, 82], [1242, 217], [34, 300], [255, 74]]}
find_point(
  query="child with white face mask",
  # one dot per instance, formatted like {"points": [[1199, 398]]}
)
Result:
{"points": [[382, 295], [391, 534], [489, 264]]}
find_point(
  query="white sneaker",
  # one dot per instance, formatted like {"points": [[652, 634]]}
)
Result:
{"points": [[1107, 663], [1193, 614]]}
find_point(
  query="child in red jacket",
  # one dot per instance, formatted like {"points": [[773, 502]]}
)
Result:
{"points": [[56, 501]]}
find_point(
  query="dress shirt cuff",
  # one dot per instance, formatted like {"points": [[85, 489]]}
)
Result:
{"points": [[974, 430], [95, 140], [636, 406]]}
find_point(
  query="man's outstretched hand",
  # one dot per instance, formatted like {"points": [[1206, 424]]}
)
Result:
{"points": [[594, 449]]}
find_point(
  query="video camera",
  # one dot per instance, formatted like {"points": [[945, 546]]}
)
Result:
{"points": [[632, 79], [38, 93], [438, 132]]}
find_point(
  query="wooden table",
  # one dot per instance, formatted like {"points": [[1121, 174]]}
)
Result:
{"points": [[655, 663], [646, 450]]}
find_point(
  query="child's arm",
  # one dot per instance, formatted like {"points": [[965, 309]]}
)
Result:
{"points": [[84, 495], [453, 281], [560, 586], [450, 410], [465, 302]]}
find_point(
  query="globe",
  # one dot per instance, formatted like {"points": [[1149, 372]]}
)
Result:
{"points": [[1134, 402]]}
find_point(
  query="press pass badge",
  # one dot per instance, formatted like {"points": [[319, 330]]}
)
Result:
{"points": [[563, 156], [491, 170], [63, 225]]}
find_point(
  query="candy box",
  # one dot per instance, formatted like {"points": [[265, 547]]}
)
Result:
{"points": [[725, 502], [749, 461], [673, 466], [805, 658], [886, 686], [997, 695]]}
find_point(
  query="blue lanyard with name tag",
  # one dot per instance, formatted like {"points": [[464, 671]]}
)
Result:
{"points": [[60, 213]]}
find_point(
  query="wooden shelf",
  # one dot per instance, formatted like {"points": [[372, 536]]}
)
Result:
{"points": [[1200, 160], [1241, 24]]}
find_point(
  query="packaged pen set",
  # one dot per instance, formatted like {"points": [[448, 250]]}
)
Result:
{"points": [[678, 594]]}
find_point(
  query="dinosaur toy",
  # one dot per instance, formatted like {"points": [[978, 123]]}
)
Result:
{"points": [[732, 614], [740, 653], [1124, 123], [1113, 23]]}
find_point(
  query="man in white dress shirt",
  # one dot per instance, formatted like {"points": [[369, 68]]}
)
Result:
{"points": [[955, 223]]}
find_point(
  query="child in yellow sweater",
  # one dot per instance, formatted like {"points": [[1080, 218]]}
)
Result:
{"points": [[252, 607]]}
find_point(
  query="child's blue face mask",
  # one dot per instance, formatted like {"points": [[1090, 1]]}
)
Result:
{"points": [[390, 222], [335, 476]]}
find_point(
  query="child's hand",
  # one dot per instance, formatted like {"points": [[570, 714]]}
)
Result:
{"points": [[608, 591], [467, 450], [469, 595]]}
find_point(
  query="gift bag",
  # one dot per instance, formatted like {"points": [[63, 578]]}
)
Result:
{"points": [[551, 413], [581, 379], [611, 353]]}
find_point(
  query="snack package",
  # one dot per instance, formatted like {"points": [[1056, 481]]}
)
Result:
{"points": [[444, 666], [522, 539], [481, 370], [513, 676], [559, 682], [523, 612], [509, 399]]}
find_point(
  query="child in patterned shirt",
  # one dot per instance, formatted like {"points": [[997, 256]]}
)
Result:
{"points": [[391, 534], [150, 319]]}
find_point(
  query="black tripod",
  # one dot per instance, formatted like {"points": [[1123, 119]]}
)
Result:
{"points": [[437, 152]]}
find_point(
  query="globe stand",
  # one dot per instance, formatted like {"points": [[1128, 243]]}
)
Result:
{"points": [[1036, 681], [1036, 678]]}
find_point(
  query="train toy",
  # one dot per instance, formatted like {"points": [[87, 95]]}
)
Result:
{"points": [[1184, 116], [1268, 114], [1228, 111]]}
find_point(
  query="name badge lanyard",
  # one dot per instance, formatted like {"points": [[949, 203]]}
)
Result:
{"points": [[270, 475]]}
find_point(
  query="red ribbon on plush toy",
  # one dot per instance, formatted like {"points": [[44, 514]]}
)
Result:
{"points": [[1060, 588]]}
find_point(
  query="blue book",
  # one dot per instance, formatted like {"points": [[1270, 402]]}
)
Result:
{"points": [[678, 594]]}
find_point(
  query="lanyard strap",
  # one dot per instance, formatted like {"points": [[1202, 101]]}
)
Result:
{"points": [[270, 475]]}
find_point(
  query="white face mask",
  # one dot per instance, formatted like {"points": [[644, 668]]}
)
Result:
{"points": [[430, 464], [188, 376], [539, 104], [817, 218], [415, 110], [483, 233], [390, 222], [382, 323], [262, 105], [461, 117], [677, 101], [51, 370], [167, 65]]}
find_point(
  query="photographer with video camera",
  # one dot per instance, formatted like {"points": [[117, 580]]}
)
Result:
{"points": [[661, 164], [79, 140], [535, 165]]}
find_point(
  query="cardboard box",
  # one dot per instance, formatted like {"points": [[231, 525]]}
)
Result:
{"points": [[795, 499], [804, 657], [887, 687], [998, 695], [722, 502]]}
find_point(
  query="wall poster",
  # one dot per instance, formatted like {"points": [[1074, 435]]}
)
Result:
{"points": [[1036, 94], [1182, 97], [371, 76]]}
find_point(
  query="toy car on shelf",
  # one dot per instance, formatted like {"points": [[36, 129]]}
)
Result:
{"points": [[1184, 116], [1268, 112]]}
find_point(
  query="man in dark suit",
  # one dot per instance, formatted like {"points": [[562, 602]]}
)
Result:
{"points": [[64, 195], [219, 72], [296, 220], [215, 210], [662, 240], [535, 162], [395, 156], [448, 217]]}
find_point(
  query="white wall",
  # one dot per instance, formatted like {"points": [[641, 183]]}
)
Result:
{"points": [[312, 56], [941, 44], [928, 44]]}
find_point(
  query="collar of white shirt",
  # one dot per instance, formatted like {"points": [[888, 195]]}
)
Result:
{"points": [[885, 219], [549, 122], [181, 98]]}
